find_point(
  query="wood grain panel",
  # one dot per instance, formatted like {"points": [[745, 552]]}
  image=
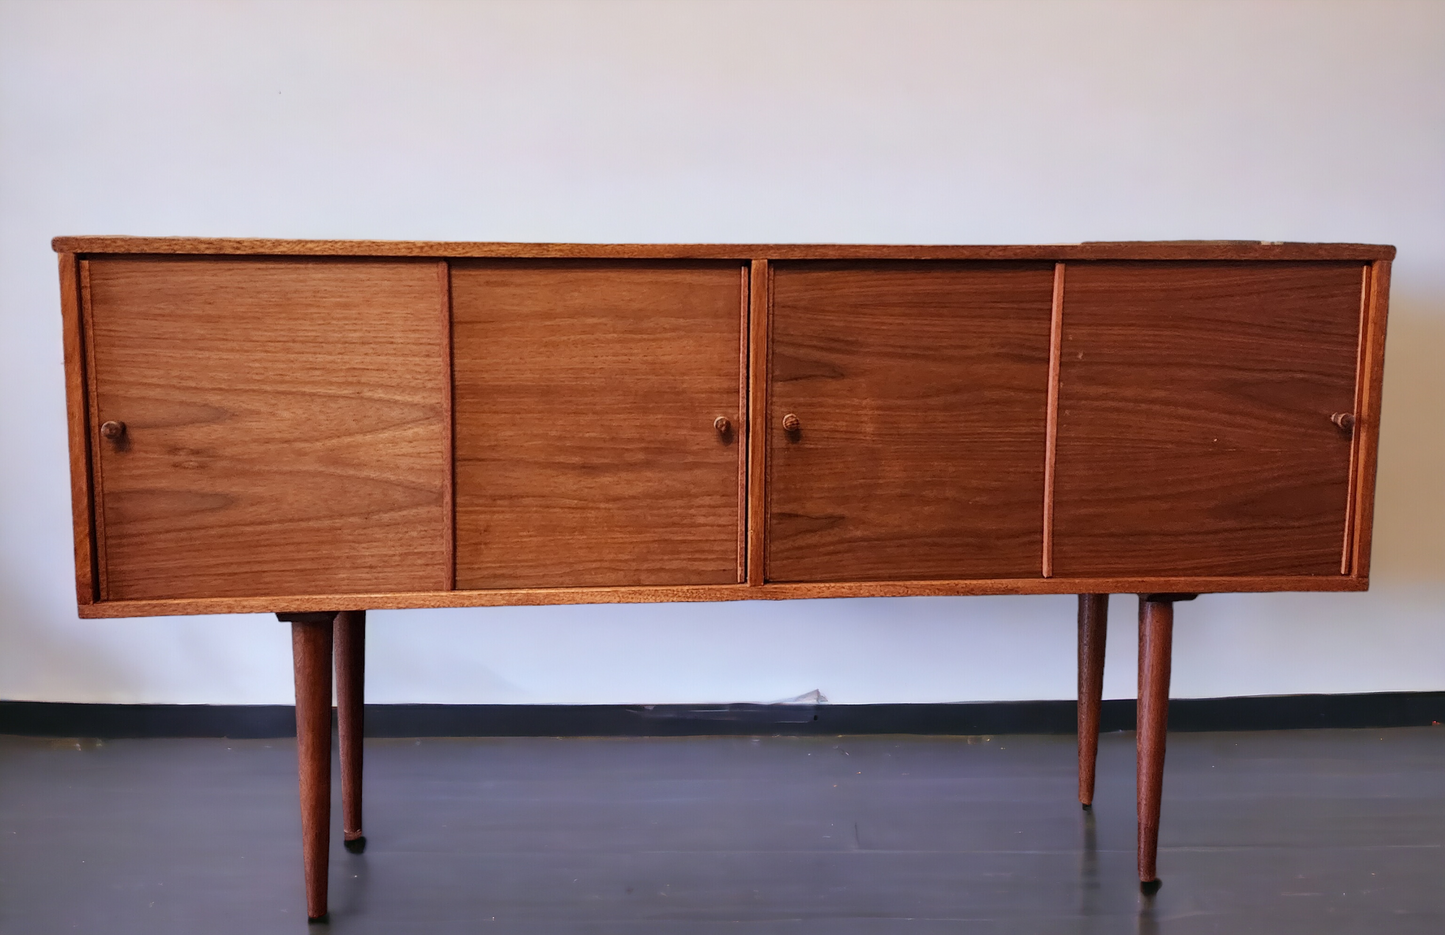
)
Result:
{"points": [[743, 430], [921, 392], [97, 486], [78, 429], [585, 399], [1194, 418], [285, 429], [509, 597], [1361, 368], [758, 328], [1367, 422], [1051, 418], [449, 487]]}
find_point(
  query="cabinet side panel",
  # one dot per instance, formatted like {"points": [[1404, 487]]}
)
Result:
{"points": [[92, 412], [1372, 383], [585, 396], [284, 426], [78, 429], [920, 394], [1195, 405]]}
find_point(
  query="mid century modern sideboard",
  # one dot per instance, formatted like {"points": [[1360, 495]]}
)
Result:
{"points": [[317, 428]]}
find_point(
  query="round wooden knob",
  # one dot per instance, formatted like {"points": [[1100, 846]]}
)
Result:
{"points": [[722, 425], [1345, 420], [791, 422], [112, 429]]}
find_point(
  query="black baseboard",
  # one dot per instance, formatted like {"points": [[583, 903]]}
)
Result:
{"points": [[1277, 712]]}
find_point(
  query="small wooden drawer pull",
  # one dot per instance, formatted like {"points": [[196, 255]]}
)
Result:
{"points": [[1345, 420], [112, 430], [791, 422], [722, 425]]}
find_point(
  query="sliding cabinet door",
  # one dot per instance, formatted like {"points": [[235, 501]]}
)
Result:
{"points": [[270, 426], [906, 423], [599, 439], [1197, 426]]}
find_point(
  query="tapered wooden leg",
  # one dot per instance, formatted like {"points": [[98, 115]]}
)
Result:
{"points": [[1156, 637], [350, 686], [1093, 629], [311, 654]]}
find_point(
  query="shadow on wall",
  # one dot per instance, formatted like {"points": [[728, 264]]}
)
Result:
{"points": [[1409, 542]]}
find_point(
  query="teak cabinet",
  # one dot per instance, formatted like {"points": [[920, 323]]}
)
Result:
{"points": [[315, 428]]}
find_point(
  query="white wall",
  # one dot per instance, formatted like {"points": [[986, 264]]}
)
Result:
{"points": [[862, 122]]}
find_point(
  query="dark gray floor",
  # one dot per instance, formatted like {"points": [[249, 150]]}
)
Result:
{"points": [[1290, 831]]}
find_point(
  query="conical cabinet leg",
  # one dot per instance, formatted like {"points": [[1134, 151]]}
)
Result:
{"points": [[311, 656], [350, 705], [1093, 629], [1156, 637]]}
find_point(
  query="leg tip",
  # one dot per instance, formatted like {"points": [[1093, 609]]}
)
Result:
{"points": [[1150, 887], [319, 920], [355, 845], [1087, 806]]}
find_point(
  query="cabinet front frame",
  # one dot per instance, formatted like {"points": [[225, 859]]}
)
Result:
{"points": [[81, 393]]}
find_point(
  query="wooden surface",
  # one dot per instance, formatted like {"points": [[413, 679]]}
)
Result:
{"points": [[921, 391], [1194, 418], [740, 426], [1156, 639], [1093, 635], [311, 656], [92, 440], [213, 468], [285, 427], [759, 327], [1125, 250], [78, 429], [585, 397], [1051, 419], [1348, 420], [505, 597], [349, 641], [1367, 425], [449, 483]]}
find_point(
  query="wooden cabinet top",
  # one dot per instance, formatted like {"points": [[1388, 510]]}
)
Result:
{"points": [[1101, 250]]}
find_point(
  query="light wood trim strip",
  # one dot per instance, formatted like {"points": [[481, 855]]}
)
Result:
{"points": [[1367, 420], [759, 309], [1150, 250], [449, 487], [1051, 424], [741, 436], [78, 429], [1347, 547], [720, 592], [97, 476]]}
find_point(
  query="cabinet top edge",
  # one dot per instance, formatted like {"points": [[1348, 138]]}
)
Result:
{"points": [[425, 249]]}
